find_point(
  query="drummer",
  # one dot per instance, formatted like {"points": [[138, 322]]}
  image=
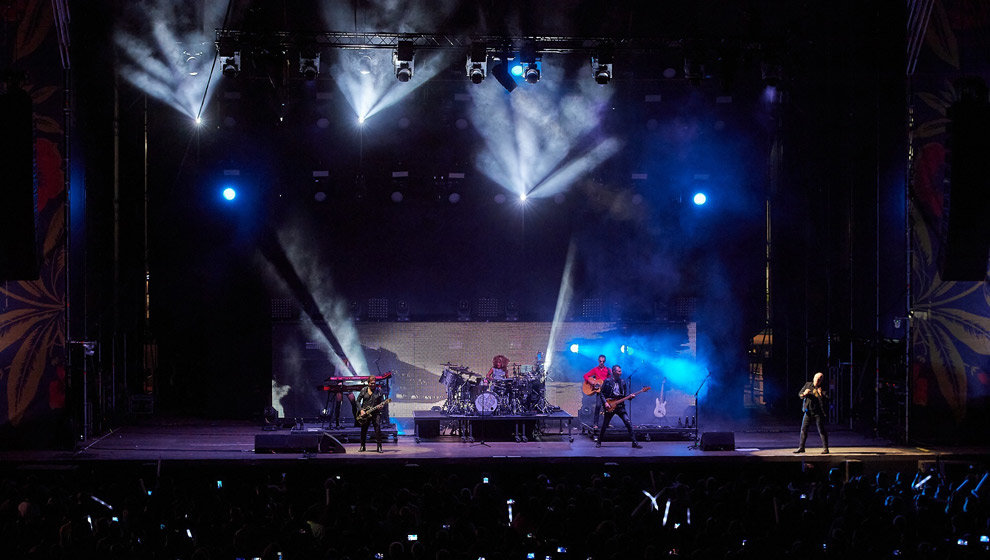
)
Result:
{"points": [[499, 370]]}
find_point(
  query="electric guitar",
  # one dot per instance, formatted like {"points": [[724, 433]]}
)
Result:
{"points": [[365, 414], [661, 409], [610, 404], [590, 388]]}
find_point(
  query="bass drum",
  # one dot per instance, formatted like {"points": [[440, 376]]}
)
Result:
{"points": [[486, 403]]}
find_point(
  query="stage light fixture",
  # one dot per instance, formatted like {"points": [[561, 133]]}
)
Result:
{"points": [[229, 193], [511, 310], [477, 62], [500, 70], [364, 65], [531, 72], [601, 68], [530, 64], [402, 60], [699, 198], [309, 65], [463, 310], [230, 58], [402, 310], [575, 348], [232, 65]]}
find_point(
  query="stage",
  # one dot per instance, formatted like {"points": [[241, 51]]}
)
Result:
{"points": [[184, 441]]}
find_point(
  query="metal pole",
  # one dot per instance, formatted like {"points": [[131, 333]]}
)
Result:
{"points": [[909, 249]]}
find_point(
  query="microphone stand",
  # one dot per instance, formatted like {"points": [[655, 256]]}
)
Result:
{"points": [[697, 409]]}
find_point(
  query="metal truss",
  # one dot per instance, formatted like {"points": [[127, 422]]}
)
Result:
{"points": [[494, 44]]}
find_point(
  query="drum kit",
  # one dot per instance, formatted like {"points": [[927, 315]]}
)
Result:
{"points": [[521, 392]]}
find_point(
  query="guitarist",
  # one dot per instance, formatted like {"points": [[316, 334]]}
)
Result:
{"points": [[593, 381], [615, 388], [370, 397]]}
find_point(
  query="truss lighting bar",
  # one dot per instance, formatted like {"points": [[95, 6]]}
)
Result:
{"points": [[494, 44]]}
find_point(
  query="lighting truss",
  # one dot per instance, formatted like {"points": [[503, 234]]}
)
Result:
{"points": [[493, 44]]}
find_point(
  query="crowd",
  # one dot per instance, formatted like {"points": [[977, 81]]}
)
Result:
{"points": [[315, 510]]}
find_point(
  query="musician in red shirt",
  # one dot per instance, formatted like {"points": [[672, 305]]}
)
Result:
{"points": [[595, 377]]}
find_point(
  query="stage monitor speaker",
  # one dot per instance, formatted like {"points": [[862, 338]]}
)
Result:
{"points": [[967, 237], [18, 200], [297, 442], [718, 441]]}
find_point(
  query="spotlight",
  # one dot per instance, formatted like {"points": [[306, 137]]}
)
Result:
{"points": [[230, 57], [500, 70], [229, 193], [364, 65], [575, 348], [463, 310], [402, 59], [309, 65], [476, 63], [530, 64], [622, 348], [699, 198], [402, 310], [231, 64], [532, 72], [601, 68], [522, 197]]}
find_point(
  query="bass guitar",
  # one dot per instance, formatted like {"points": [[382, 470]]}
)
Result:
{"points": [[610, 404], [365, 414]]}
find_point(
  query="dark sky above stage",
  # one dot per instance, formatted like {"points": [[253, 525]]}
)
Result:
{"points": [[609, 170]]}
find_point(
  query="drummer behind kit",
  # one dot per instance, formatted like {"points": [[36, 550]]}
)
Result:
{"points": [[519, 393]]}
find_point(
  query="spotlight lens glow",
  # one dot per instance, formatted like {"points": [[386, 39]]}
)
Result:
{"points": [[360, 120], [516, 70], [700, 199], [229, 193], [575, 348], [199, 120], [622, 348], [522, 197]]}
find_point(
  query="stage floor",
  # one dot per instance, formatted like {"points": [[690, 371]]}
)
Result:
{"points": [[234, 441]]}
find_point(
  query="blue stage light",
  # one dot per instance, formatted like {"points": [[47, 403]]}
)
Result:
{"points": [[700, 198], [575, 348], [516, 70], [622, 348], [229, 193]]}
